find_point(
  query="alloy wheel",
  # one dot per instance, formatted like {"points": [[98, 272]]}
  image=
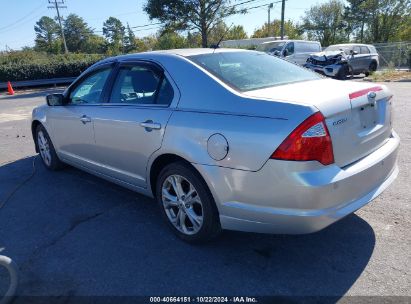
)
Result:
{"points": [[182, 204], [44, 148]]}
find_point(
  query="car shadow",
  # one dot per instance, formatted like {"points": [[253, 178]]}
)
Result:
{"points": [[355, 77], [73, 234]]}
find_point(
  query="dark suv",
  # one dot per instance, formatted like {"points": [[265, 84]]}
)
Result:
{"points": [[342, 60]]}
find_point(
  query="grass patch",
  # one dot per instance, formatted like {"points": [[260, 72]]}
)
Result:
{"points": [[390, 75]]}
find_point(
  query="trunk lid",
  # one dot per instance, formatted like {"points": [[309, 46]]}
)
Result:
{"points": [[358, 125]]}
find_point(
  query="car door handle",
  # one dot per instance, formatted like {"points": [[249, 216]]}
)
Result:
{"points": [[150, 125], [85, 119]]}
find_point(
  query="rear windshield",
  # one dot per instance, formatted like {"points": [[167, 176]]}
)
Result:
{"points": [[271, 47], [246, 71]]}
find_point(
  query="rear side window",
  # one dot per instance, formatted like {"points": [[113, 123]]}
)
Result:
{"points": [[306, 47], [141, 84], [364, 50], [245, 71], [372, 49]]}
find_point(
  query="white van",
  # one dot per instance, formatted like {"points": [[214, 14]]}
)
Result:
{"points": [[296, 51]]}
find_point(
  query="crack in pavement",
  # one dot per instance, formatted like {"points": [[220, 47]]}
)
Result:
{"points": [[70, 229]]}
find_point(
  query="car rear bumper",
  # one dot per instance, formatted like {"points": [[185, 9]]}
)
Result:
{"points": [[328, 70], [299, 197]]}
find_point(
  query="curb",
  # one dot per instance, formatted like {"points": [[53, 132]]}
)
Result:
{"points": [[401, 80]]}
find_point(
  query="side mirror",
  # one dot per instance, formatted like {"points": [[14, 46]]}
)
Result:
{"points": [[352, 52], [55, 99], [285, 53]]}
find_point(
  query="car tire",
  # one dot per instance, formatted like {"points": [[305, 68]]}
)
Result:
{"points": [[186, 203], [343, 72], [46, 150], [372, 68]]}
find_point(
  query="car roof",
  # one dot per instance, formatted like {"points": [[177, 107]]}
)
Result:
{"points": [[351, 44], [168, 53], [165, 54], [181, 52], [292, 40]]}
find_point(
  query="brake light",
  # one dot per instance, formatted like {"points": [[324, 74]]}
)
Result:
{"points": [[309, 141]]}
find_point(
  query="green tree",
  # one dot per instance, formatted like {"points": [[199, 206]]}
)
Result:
{"points": [[376, 21], [221, 30], [114, 32], [95, 45], [170, 40], [193, 39], [201, 15], [77, 33], [324, 22], [236, 32], [356, 16], [47, 35], [387, 19], [141, 45], [291, 30], [150, 42], [130, 42], [404, 33]]}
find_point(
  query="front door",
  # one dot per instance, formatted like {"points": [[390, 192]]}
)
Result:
{"points": [[130, 128], [356, 60], [72, 124]]}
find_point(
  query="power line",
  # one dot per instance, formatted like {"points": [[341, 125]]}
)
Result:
{"points": [[21, 19], [57, 6], [145, 25], [23, 22]]}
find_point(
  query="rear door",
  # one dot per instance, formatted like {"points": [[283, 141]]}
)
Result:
{"points": [[366, 57], [131, 126]]}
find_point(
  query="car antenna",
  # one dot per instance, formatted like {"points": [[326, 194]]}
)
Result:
{"points": [[216, 46]]}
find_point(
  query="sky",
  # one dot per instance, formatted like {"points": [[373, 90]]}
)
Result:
{"points": [[18, 17]]}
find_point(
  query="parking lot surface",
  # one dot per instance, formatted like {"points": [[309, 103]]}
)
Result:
{"points": [[73, 234]]}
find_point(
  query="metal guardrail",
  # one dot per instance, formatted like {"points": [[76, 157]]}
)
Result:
{"points": [[38, 82]]}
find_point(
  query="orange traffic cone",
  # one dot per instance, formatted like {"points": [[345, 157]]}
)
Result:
{"points": [[10, 90]]}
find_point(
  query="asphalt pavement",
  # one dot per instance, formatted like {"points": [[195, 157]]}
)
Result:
{"points": [[73, 234]]}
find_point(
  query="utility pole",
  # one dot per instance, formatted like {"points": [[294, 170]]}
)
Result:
{"points": [[270, 6], [282, 19], [56, 5]]}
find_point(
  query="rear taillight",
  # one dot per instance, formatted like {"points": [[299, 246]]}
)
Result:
{"points": [[309, 141]]}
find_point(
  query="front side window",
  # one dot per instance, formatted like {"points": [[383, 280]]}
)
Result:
{"points": [[344, 48], [141, 84], [357, 49], [90, 89], [245, 71], [372, 49]]}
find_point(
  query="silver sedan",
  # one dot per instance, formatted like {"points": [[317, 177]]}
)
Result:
{"points": [[225, 139]]}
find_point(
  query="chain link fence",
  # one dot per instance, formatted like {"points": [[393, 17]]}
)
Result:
{"points": [[394, 55]]}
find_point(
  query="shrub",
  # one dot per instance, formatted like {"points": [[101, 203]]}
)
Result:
{"points": [[31, 65]]}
